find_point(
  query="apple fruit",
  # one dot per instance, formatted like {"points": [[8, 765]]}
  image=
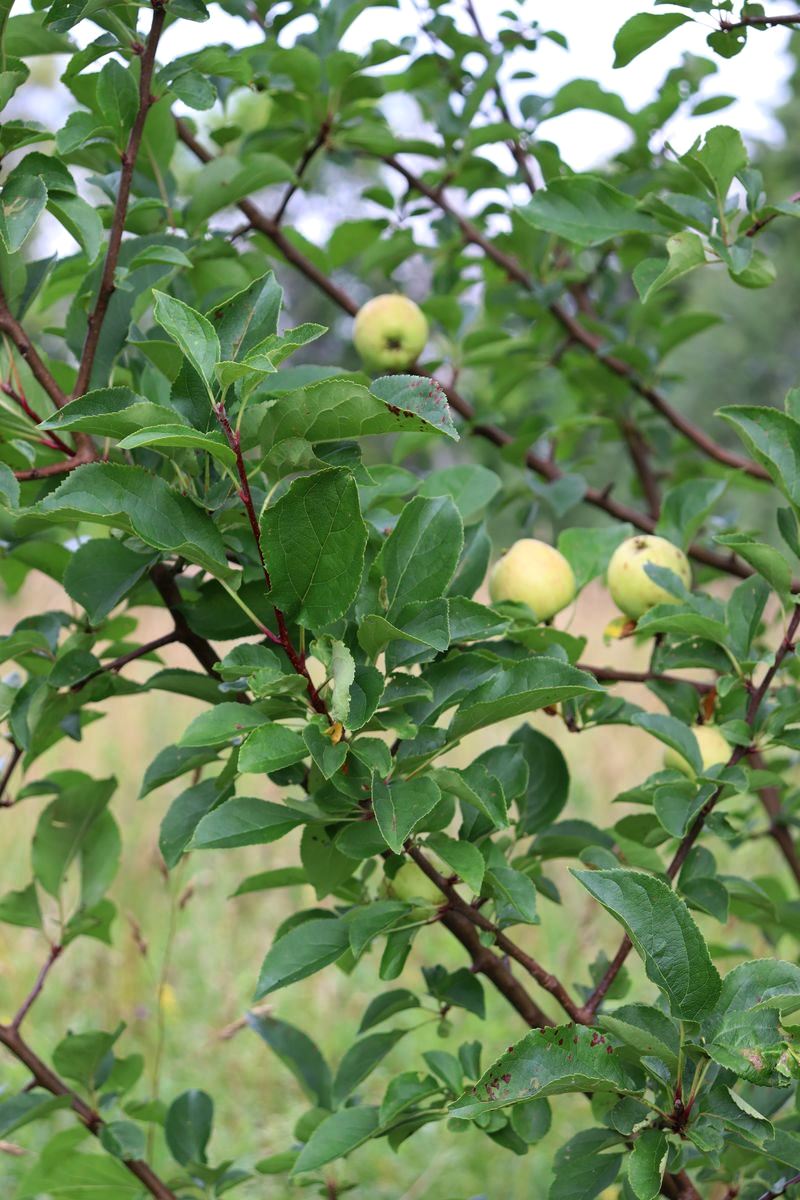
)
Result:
{"points": [[411, 883], [390, 332], [632, 589], [714, 749], [536, 574]]}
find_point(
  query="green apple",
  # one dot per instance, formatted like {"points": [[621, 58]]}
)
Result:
{"points": [[535, 574], [411, 883], [631, 588], [714, 749], [390, 333]]}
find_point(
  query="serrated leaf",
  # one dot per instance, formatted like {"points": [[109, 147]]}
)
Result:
{"points": [[193, 332], [646, 1164], [663, 933], [586, 210], [521, 688], [548, 1062], [400, 806]]}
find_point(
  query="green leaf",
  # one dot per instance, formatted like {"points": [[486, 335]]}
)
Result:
{"points": [[269, 748], [685, 508], [765, 559], [520, 688], [361, 1060], [101, 572], [341, 672], [314, 540], [547, 786], [773, 438], [462, 857], [72, 826], [183, 817], [229, 179], [586, 210], [478, 787], [470, 486], [744, 1032], [20, 1110], [581, 1172], [21, 204], [299, 1053], [109, 412], [420, 556], [721, 157], [132, 500], [685, 252], [224, 723], [672, 733], [663, 933], [516, 895], [641, 32], [188, 1127], [548, 1062], [400, 806], [79, 1177], [117, 96], [21, 908], [646, 1164], [166, 435], [336, 409], [194, 334], [380, 1008], [301, 952], [335, 1137], [245, 821]]}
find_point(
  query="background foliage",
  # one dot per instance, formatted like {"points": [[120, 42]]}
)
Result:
{"points": [[272, 563]]}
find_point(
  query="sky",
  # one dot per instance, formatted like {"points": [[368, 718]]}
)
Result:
{"points": [[758, 76]]}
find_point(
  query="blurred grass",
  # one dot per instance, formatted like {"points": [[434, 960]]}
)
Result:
{"points": [[219, 943]]}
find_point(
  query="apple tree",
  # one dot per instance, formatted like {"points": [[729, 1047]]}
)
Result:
{"points": [[194, 429]]}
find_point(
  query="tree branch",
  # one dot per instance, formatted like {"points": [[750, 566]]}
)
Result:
{"points": [[116, 664], [84, 454], [613, 675], [727, 563], [785, 648], [10, 325], [164, 582], [637, 448], [35, 992], [107, 285], [47, 1079], [584, 337], [457, 904], [8, 771], [772, 1195], [771, 801], [759, 22], [317, 144]]}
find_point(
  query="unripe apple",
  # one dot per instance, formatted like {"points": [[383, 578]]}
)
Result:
{"points": [[714, 749], [411, 883], [390, 332], [632, 589], [535, 574]]}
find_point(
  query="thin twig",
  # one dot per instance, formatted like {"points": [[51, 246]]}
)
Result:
{"points": [[47, 1079], [614, 675], [35, 992], [10, 325], [302, 166], [638, 450], [51, 440], [8, 771], [116, 664], [599, 498], [772, 1195], [771, 802], [84, 454], [756, 699], [107, 285], [746, 22], [584, 337]]}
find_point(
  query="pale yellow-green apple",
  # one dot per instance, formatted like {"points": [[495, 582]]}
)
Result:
{"points": [[714, 749], [535, 574], [411, 883], [631, 588], [390, 332]]}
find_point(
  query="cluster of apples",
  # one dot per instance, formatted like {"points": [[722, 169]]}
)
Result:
{"points": [[389, 333]]}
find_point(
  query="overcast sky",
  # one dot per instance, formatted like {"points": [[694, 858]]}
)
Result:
{"points": [[757, 76]]}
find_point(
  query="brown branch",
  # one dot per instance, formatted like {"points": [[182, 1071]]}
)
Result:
{"points": [[46, 1078], [757, 226], [613, 675], [727, 563], [51, 440], [84, 454], [785, 648], [296, 658], [164, 582], [747, 22], [638, 450], [8, 771], [10, 325], [772, 1195], [116, 664], [771, 802], [35, 992], [107, 285], [317, 144], [514, 144], [584, 337], [457, 904]]}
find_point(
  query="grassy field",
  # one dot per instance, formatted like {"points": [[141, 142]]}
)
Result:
{"points": [[208, 969]]}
